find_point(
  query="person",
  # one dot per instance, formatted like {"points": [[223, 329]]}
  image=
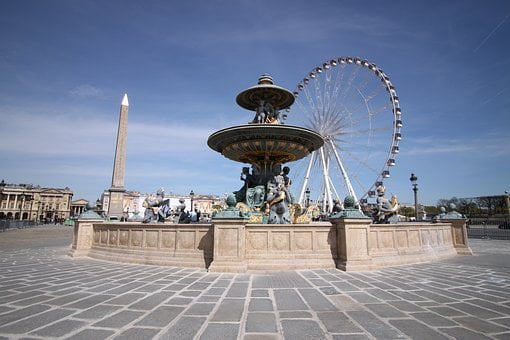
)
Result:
{"points": [[193, 216]]}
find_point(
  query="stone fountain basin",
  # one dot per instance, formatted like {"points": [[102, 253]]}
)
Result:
{"points": [[253, 143]]}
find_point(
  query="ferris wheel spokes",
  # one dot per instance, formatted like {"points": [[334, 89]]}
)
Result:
{"points": [[305, 182]]}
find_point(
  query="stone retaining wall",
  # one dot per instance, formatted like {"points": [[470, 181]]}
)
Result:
{"points": [[232, 245]]}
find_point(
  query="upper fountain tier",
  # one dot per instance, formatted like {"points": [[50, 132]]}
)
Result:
{"points": [[265, 142], [267, 92]]}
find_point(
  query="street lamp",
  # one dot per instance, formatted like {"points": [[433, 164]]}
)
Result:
{"points": [[307, 192], [191, 195], [413, 180]]}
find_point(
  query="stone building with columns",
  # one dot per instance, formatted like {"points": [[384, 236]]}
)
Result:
{"points": [[35, 203]]}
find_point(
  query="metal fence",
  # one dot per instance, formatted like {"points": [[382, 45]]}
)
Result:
{"points": [[12, 224], [490, 228]]}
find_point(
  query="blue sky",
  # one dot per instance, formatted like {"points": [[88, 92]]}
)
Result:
{"points": [[65, 65]]}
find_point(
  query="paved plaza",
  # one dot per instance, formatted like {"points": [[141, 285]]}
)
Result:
{"points": [[44, 294]]}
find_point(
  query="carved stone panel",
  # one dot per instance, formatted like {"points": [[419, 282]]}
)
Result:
{"points": [[414, 238], [281, 240], [97, 235], [186, 240], [323, 240], [401, 236], [113, 237], [136, 238], [303, 240], [168, 239], [104, 237], [257, 240], [228, 244], [123, 237], [151, 238], [386, 239]]}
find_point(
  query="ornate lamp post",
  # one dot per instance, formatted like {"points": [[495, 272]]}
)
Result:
{"points": [[507, 201], [307, 192], [414, 180], [191, 195]]}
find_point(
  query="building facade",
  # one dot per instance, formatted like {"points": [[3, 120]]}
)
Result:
{"points": [[35, 203]]}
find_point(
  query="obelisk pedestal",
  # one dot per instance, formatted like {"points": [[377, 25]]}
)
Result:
{"points": [[117, 190]]}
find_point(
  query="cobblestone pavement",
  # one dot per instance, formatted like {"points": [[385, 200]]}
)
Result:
{"points": [[45, 294]]}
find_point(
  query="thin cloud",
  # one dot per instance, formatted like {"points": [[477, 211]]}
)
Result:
{"points": [[87, 91]]}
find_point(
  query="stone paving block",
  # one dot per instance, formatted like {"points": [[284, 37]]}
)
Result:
{"points": [[20, 296], [319, 282], [125, 288], [374, 325], [184, 329], [491, 306], [261, 323], [221, 283], [215, 291], [175, 287], [150, 288], [406, 306], [362, 297], [350, 337], [161, 316], [28, 324], [200, 286], [463, 333], [261, 336], [89, 302], [180, 301], [238, 290], [97, 312], [22, 313], [416, 330], [503, 321], [338, 322], [502, 336], [381, 294], [192, 293], [385, 311], [275, 280], [479, 325], [223, 331], [260, 293], [126, 299], [89, 334], [482, 296], [345, 286], [229, 310], [408, 296], [302, 330], [475, 310], [200, 309], [316, 300], [295, 315], [432, 319], [32, 301], [119, 319], [260, 305], [329, 291], [433, 296], [59, 329], [135, 333], [446, 311], [208, 299], [288, 299], [345, 303], [151, 301]]}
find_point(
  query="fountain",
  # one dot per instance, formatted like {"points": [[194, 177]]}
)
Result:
{"points": [[265, 143], [257, 231]]}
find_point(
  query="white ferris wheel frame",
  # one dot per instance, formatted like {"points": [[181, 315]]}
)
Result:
{"points": [[327, 202]]}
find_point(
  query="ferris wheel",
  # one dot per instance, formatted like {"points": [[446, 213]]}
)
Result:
{"points": [[352, 103]]}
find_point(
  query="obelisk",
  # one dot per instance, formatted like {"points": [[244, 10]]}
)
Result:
{"points": [[117, 190]]}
